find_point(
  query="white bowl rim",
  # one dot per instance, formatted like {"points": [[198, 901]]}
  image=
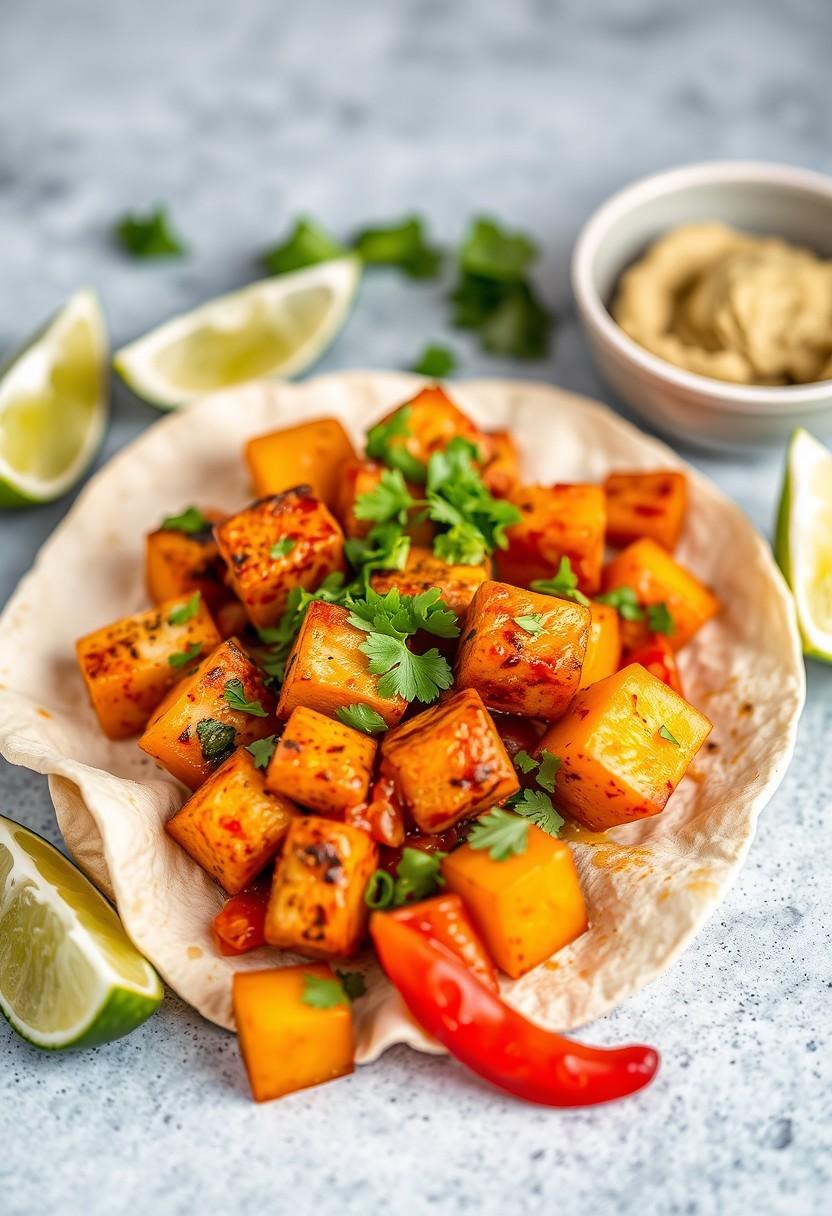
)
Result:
{"points": [[717, 394]]}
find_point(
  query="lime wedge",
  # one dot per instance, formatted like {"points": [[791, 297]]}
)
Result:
{"points": [[69, 975], [803, 543], [53, 404], [276, 327]]}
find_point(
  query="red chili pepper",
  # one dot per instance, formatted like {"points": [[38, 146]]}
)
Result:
{"points": [[443, 921], [239, 925], [495, 1041], [658, 657]]}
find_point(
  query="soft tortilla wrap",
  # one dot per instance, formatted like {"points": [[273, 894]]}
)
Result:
{"points": [[649, 885]]}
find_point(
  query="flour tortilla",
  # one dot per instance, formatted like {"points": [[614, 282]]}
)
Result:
{"points": [[649, 885]]}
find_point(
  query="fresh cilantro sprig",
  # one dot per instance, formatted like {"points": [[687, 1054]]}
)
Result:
{"points": [[307, 244], [629, 608], [182, 658], [361, 717], [457, 497], [659, 619], [435, 361], [326, 992], [388, 502], [185, 612], [418, 876], [385, 547], [501, 833], [401, 616], [531, 623], [388, 620], [149, 235], [387, 443], [536, 805], [403, 244], [216, 740], [235, 697], [190, 521], [563, 584], [262, 750], [665, 734]]}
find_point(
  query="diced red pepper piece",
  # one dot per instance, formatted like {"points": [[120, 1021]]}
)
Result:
{"points": [[445, 923], [238, 926], [659, 658]]}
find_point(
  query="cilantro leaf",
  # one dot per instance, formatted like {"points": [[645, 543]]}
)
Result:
{"points": [[532, 623], [361, 717], [664, 733], [418, 876], [262, 750], [353, 983], [390, 500], [548, 770], [385, 547], [387, 443], [415, 677], [190, 520], [183, 657], [216, 740], [519, 325], [525, 762], [435, 361], [564, 584], [307, 244], [458, 497], [625, 602], [282, 547], [660, 620], [430, 612], [461, 545], [474, 299], [323, 992], [235, 696], [403, 245], [492, 252], [501, 833], [401, 616], [537, 807], [185, 612], [149, 235]]}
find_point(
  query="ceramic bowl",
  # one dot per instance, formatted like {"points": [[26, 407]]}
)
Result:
{"points": [[763, 198]]}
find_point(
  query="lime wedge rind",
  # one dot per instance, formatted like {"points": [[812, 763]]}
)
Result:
{"points": [[53, 404], [272, 329], [69, 976], [803, 540]]}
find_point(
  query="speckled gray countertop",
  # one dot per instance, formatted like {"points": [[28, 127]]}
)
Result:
{"points": [[238, 116]]}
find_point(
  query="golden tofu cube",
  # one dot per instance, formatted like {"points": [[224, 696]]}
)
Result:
{"points": [[657, 578], [233, 825], [129, 666], [286, 1043], [317, 902], [321, 763], [645, 504], [448, 762], [558, 521], [522, 651], [327, 670], [312, 452], [624, 745], [360, 477], [288, 540], [200, 722], [526, 907], [603, 647], [180, 563], [424, 571]]}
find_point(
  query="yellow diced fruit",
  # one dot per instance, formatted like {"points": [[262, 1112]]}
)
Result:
{"points": [[126, 666], [179, 563], [423, 571], [557, 521], [526, 907], [317, 901], [312, 452], [286, 1043], [624, 746], [522, 651], [501, 474], [197, 726], [603, 648], [288, 540], [327, 671], [645, 504], [657, 578], [360, 477], [232, 825], [448, 762], [430, 421], [321, 763]]}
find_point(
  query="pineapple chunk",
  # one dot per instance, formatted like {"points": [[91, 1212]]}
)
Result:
{"points": [[657, 578], [558, 521], [312, 452], [321, 763]]}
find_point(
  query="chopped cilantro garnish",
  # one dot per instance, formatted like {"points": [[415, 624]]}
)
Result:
{"points": [[532, 623], [389, 501], [660, 620], [216, 739], [400, 244], [149, 236], [190, 520], [525, 762], [235, 697], [388, 620], [501, 833], [547, 772], [416, 677], [537, 807], [458, 497], [361, 717], [262, 750], [321, 992], [307, 244], [385, 547], [183, 657], [283, 547], [664, 733], [387, 443], [496, 254], [185, 612], [625, 602], [418, 876], [435, 361], [564, 584]]}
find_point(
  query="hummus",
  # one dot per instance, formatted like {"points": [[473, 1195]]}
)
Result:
{"points": [[722, 303]]}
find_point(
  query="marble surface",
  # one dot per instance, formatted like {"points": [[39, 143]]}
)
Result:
{"points": [[239, 116]]}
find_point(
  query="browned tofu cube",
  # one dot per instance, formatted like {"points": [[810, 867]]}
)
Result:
{"points": [[360, 477], [502, 472], [522, 651], [317, 902], [558, 521], [232, 826], [321, 763], [179, 561], [645, 504], [423, 571], [448, 762], [225, 704], [427, 424], [288, 540], [312, 452], [327, 670], [129, 666]]}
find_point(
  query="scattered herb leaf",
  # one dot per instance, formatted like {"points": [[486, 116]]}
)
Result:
{"points": [[532, 623], [323, 992], [387, 443], [283, 547], [660, 620], [307, 244], [564, 584], [416, 677], [435, 361], [494, 253], [625, 602], [525, 762], [352, 983], [402, 244], [390, 500], [363, 718], [501, 833], [536, 806], [458, 497], [235, 697], [262, 750], [149, 235], [190, 520], [548, 770], [183, 657], [216, 739], [185, 612], [664, 733]]}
